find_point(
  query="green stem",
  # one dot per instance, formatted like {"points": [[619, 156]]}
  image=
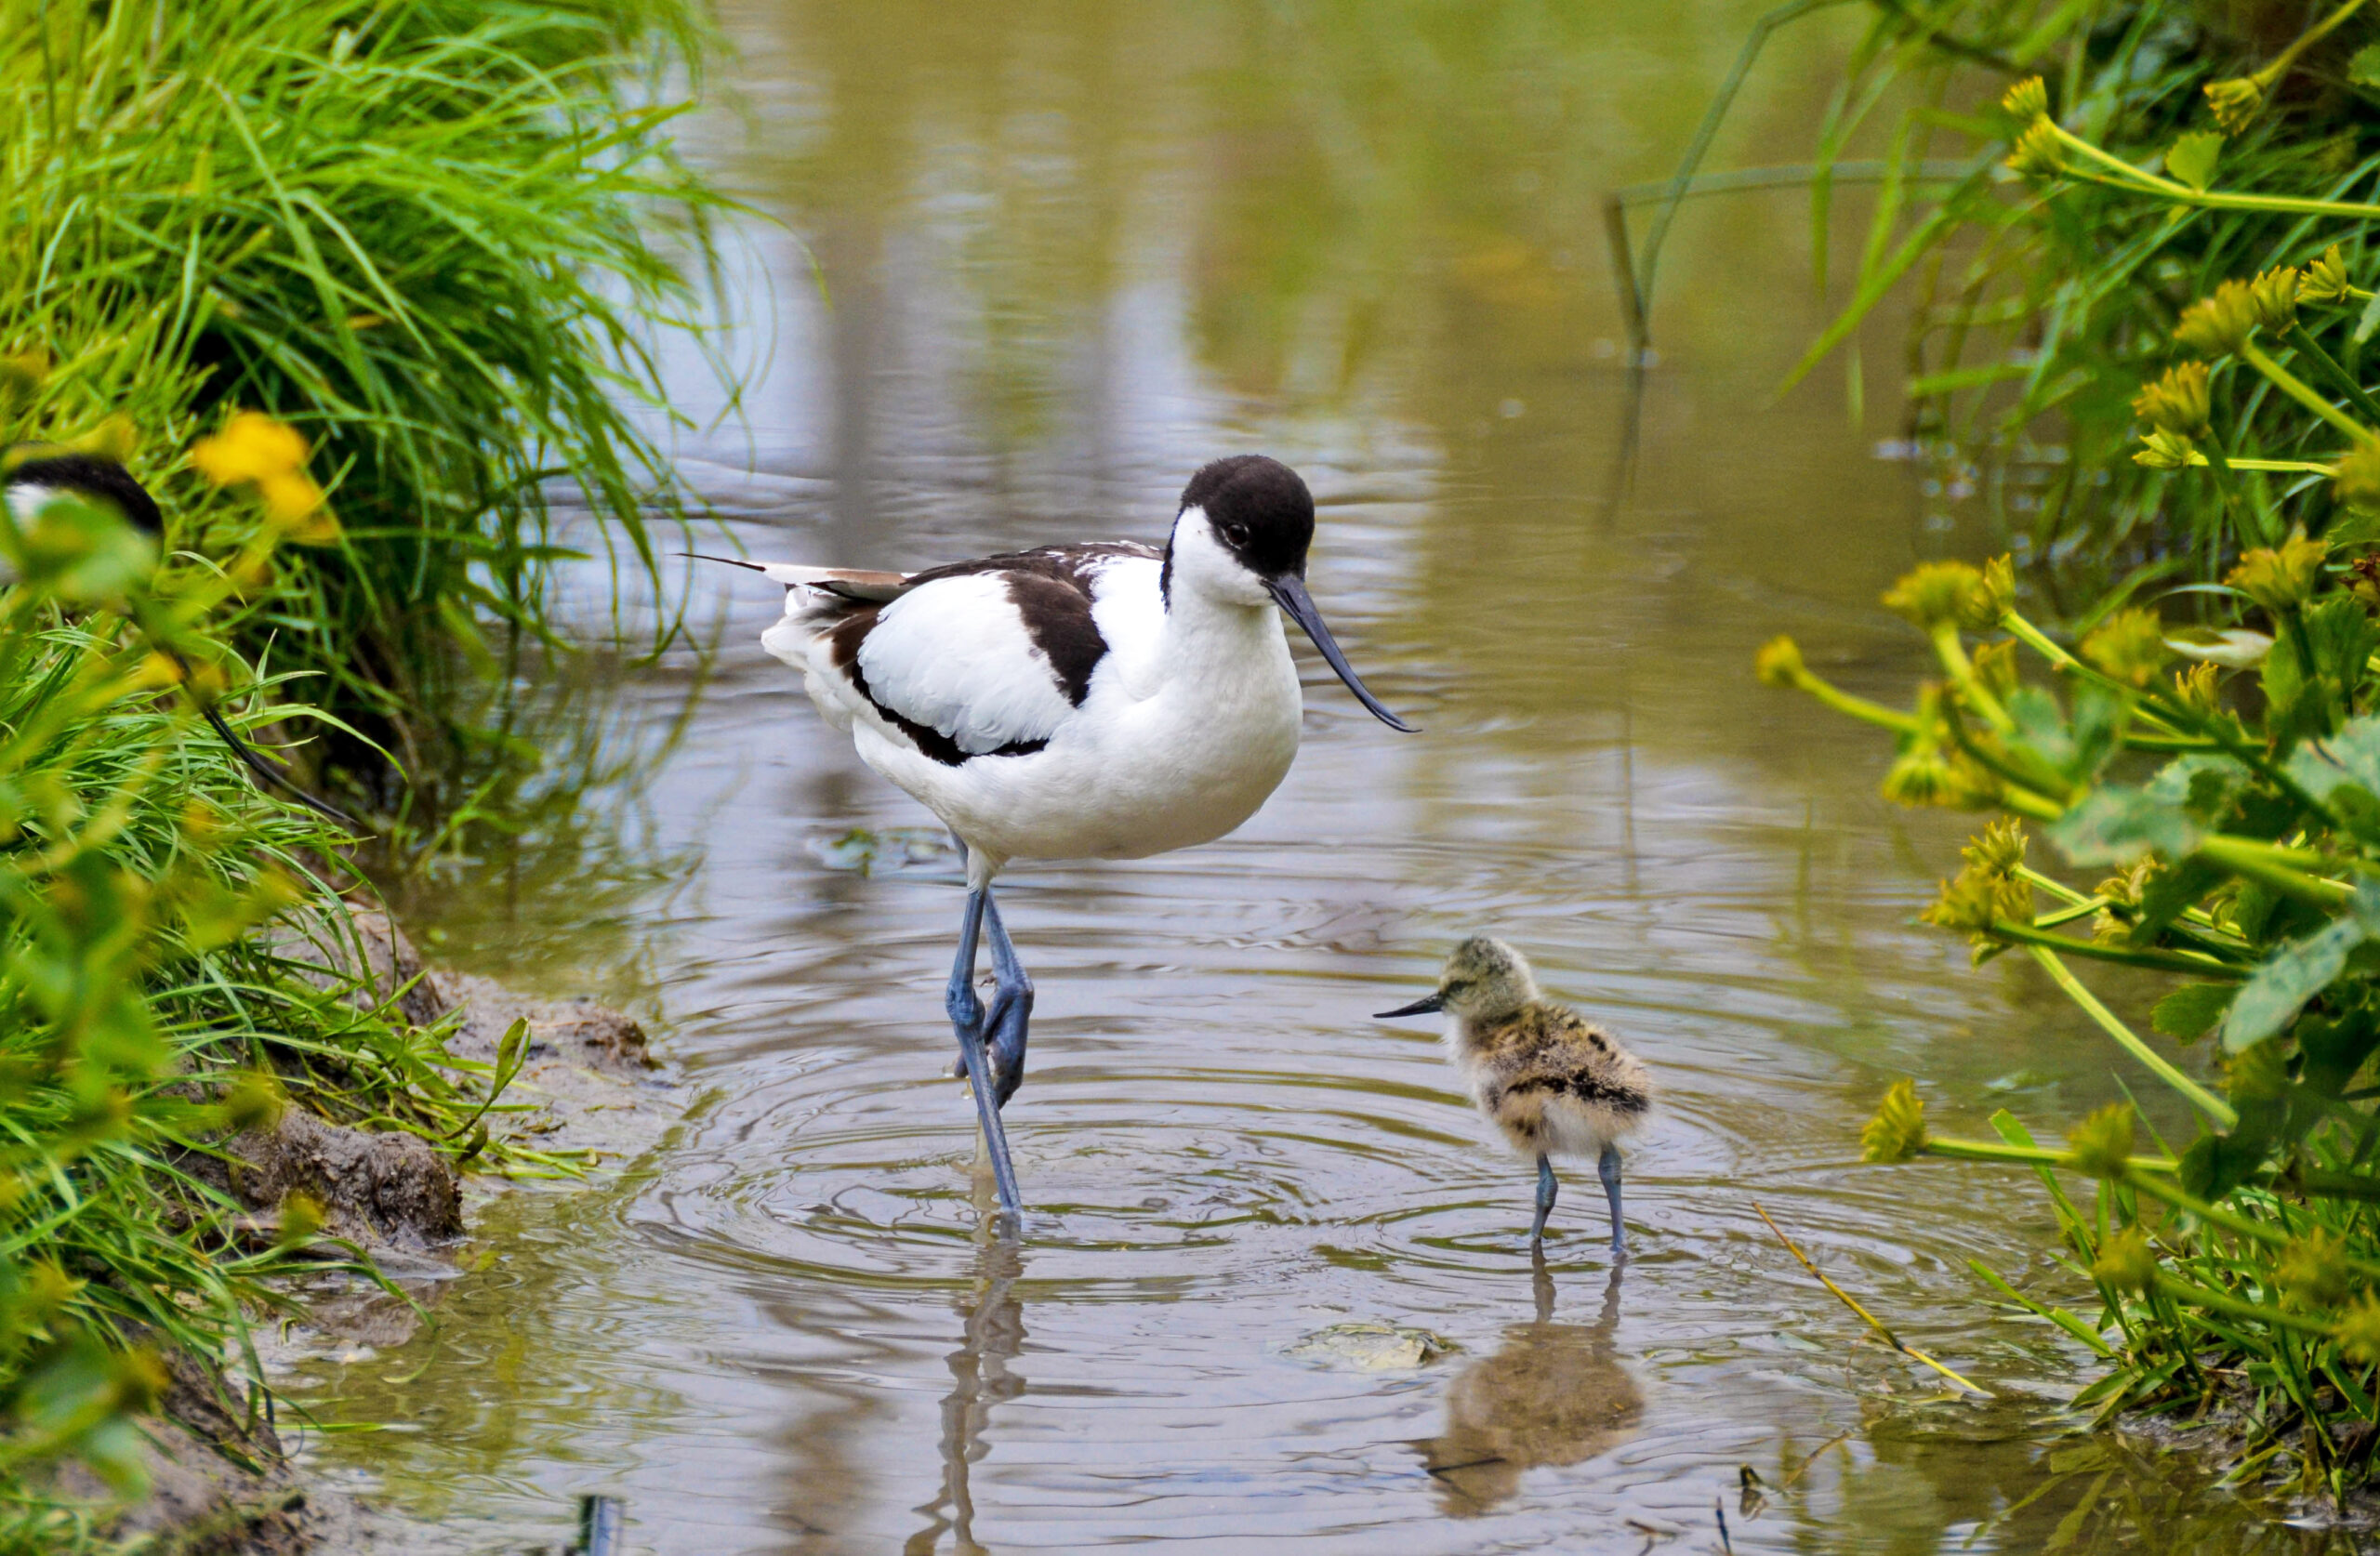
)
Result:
{"points": [[2266, 77], [2127, 956], [1857, 707], [2031, 1155], [2206, 1102], [2297, 390], [2287, 871], [2220, 1301], [2355, 393], [2058, 889], [2246, 518], [1954, 656], [2340, 1185], [2232, 1221], [2132, 181], [2289, 467]]}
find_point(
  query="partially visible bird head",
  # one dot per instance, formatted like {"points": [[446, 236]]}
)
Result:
{"points": [[1483, 980], [1240, 539], [32, 473], [1245, 522]]}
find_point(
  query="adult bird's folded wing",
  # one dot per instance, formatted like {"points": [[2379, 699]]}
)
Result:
{"points": [[863, 585]]}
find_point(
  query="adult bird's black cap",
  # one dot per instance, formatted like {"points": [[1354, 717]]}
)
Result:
{"points": [[41, 466], [1261, 510], [1421, 1007]]}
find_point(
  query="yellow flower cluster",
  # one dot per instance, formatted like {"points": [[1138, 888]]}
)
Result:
{"points": [[2278, 578], [2177, 403], [2102, 1143], [1897, 1132], [255, 450]]}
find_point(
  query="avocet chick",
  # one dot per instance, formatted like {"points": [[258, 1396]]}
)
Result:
{"points": [[1553, 1082]]}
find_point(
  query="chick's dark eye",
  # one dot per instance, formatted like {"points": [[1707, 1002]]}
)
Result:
{"points": [[1236, 534]]}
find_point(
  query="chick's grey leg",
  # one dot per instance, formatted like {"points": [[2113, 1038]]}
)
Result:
{"points": [[1608, 1166], [1545, 1197]]}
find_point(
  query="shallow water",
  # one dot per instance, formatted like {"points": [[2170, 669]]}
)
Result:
{"points": [[1072, 251]]}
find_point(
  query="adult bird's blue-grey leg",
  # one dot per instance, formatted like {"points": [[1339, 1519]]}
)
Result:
{"points": [[1004, 1032], [967, 1019], [1608, 1166], [1545, 1197]]}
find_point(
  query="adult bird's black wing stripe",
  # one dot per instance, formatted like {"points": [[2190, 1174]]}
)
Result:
{"points": [[1051, 589]]}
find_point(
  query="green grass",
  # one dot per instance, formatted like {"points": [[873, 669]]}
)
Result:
{"points": [[441, 239], [140, 1017]]}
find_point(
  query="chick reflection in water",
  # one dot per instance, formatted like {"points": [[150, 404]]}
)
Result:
{"points": [[1551, 1081], [1552, 1395]]}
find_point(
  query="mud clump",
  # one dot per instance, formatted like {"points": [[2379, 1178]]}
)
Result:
{"points": [[385, 1189]]}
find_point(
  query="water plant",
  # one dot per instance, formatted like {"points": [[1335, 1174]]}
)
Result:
{"points": [[440, 241]]}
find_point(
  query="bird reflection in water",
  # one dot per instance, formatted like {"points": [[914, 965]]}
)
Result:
{"points": [[1551, 1394], [992, 1333]]}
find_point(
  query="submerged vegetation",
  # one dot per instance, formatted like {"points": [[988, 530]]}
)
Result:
{"points": [[2156, 252], [350, 286]]}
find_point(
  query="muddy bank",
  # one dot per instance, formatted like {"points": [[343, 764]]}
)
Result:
{"points": [[588, 1091]]}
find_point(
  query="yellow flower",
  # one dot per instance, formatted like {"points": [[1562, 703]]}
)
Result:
{"points": [[2279, 577], [2027, 101], [2357, 480], [2234, 102], [1934, 594], [2102, 1143], [301, 1218], [2126, 1261], [2195, 689], [2313, 1270], [252, 1101], [2358, 1329], [1998, 849], [2039, 153], [2162, 450], [2177, 403], [2128, 646], [2325, 280], [1778, 662], [2219, 324], [1995, 668], [1897, 1131], [2274, 295], [252, 447]]}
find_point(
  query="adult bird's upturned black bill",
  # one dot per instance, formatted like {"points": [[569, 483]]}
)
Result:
{"points": [[1288, 589]]}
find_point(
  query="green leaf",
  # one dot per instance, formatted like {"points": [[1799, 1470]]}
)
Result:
{"points": [[2370, 319], [2234, 648], [2190, 1010], [2363, 68], [2119, 826], [2193, 156], [2352, 755], [2297, 971]]}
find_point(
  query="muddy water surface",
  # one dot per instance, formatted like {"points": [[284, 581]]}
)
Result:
{"points": [[1070, 251]]}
